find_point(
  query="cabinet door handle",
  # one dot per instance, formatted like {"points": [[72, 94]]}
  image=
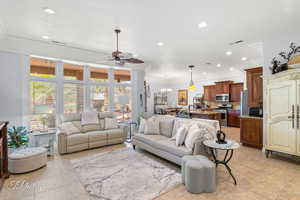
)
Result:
{"points": [[297, 116], [293, 116]]}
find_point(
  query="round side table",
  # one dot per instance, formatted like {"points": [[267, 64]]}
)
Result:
{"points": [[229, 147]]}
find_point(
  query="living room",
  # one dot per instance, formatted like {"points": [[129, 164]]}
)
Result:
{"points": [[203, 106]]}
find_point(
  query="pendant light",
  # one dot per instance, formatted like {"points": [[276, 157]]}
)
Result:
{"points": [[192, 86]]}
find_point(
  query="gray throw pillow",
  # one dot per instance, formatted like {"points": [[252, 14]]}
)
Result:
{"points": [[166, 126]]}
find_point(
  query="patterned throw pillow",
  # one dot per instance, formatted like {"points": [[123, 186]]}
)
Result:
{"points": [[152, 126], [193, 134]]}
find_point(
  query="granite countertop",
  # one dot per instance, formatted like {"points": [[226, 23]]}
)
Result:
{"points": [[253, 117], [201, 112]]}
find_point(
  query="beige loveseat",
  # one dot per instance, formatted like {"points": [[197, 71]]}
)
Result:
{"points": [[72, 137], [162, 145]]}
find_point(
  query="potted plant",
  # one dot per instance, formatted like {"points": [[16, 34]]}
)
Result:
{"points": [[17, 137]]}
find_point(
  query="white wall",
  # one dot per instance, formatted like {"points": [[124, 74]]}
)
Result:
{"points": [[11, 87]]}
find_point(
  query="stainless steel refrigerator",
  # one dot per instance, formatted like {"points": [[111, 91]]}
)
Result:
{"points": [[244, 103]]}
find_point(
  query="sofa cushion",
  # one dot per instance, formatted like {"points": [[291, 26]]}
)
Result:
{"points": [[166, 126], [70, 127], [114, 133], [89, 118], [110, 123], [70, 117], [163, 143], [181, 135], [97, 135], [77, 139], [91, 127]]}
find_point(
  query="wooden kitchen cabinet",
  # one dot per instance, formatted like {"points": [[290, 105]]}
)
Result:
{"points": [[209, 93], [255, 87], [233, 118], [235, 92], [251, 129], [222, 87]]}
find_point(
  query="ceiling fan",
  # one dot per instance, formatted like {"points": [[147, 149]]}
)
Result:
{"points": [[121, 58]]}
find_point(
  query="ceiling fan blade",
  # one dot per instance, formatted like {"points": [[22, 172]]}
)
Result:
{"points": [[134, 61]]}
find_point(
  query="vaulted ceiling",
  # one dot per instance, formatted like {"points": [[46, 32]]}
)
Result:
{"points": [[89, 24]]}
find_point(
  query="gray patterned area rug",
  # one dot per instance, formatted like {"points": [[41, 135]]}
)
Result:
{"points": [[124, 174]]}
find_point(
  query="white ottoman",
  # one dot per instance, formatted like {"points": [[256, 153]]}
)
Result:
{"points": [[27, 159]]}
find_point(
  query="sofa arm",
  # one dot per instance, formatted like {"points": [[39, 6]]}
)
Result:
{"points": [[61, 141]]}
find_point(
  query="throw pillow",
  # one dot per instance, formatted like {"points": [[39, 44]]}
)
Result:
{"points": [[89, 118], [176, 126], [152, 126], [193, 134], [209, 127], [69, 128], [142, 125], [166, 126], [180, 135], [111, 123]]}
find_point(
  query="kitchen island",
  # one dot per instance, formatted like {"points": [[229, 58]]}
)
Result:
{"points": [[205, 114]]}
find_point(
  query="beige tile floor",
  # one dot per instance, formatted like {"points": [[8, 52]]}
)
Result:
{"points": [[276, 178]]}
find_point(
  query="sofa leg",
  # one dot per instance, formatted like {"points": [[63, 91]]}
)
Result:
{"points": [[133, 146]]}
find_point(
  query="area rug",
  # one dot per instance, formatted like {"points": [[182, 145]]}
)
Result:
{"points": [[124, 174]]}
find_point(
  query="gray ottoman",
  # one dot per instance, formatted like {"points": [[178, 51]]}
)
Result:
{"points": [[199, 174], [27, 159]]}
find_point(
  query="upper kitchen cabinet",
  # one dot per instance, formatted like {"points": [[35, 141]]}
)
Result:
{"points": [[255, 87], [209, 93], [223, 87], [235, 91]]}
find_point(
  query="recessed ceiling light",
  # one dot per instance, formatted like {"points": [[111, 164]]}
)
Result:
{"points": [[202, 25], [135, 55], [45, 37], [160, 44], [231, 68], [49, 11], [204, 73], [219, 65], [244, 58], [228, 53]]}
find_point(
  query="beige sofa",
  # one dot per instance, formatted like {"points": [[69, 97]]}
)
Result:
{"points": [[162, 145], [89, 136]]}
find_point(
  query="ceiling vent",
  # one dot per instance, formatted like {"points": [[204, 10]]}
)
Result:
{"points": [[236, 42], [208, 63], [58, 43]]}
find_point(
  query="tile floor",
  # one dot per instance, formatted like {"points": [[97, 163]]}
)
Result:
{"points": [[276, 178]]}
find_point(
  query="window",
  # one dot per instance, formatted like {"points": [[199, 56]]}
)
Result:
{"points": [[99, 98], [73, 72], [123, 102], [42, 68], [73, 98], [98, 74], [42, 105], [122, 76]]}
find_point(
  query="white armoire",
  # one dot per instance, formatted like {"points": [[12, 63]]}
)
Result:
{"points": [[283, 107]]}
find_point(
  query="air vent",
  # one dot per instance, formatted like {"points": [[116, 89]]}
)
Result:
{"points": [[208, 63], [236, 42], [58, 43]]}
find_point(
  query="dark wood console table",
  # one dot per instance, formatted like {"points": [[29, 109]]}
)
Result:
{"points": [[3, 153]]}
